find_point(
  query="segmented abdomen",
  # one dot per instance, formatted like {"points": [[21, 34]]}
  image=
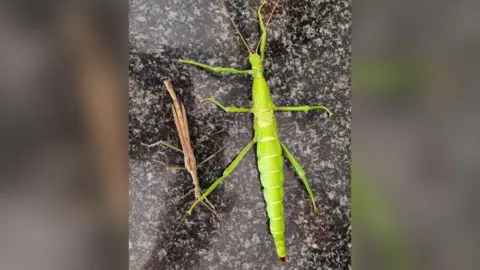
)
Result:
{"points": [[270, 165]]}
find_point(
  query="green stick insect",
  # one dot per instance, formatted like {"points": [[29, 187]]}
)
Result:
{"points": [[270, 149]]}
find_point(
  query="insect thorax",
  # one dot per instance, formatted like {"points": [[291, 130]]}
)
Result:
{"points": [[257, 65]]}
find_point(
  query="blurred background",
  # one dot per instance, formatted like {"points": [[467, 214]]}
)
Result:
{"points": [[63, 135], [415, 134]]}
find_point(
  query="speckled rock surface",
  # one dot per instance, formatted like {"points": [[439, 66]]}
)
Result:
{"points": [[307, 63]]}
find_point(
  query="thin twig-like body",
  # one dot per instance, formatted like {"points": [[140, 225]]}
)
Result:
{"points": [[180, 117], [270, 149]]}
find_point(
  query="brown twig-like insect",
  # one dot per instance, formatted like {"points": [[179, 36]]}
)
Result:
{"points": [[178, 110], [180, 117]]}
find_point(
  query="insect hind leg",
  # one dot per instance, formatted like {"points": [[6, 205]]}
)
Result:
{"points": [[301, 173], [304, 109]]}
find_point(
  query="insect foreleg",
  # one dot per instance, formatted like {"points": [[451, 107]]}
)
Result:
{"points": [[263, 37], [215, 69], [226, 173], [227, 109], [301, 173], [304, 109]]}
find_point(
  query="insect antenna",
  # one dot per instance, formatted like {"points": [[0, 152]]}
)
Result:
{"points": [[269, 18], [271, 14], [236, 28]]}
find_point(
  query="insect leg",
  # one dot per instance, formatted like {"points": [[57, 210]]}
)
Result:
{"points": [[226, 173], [171, 167], [263, 37], [215, 69], [211, 156], [164, 143], [301, 173], [227, 109], [304, 109]]}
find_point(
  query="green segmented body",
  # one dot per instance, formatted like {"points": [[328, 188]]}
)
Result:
{"points": [[269, 156], [269, 148]]}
